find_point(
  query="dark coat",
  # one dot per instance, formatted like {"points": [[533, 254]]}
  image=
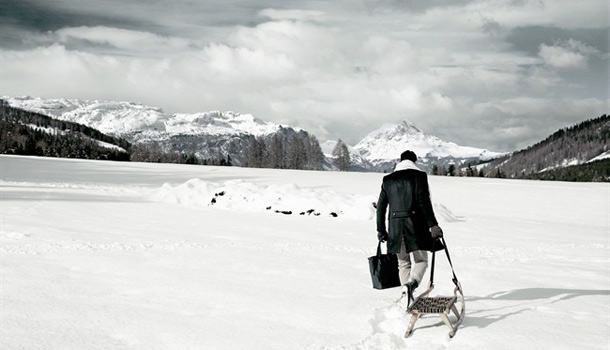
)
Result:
{"points": [[410, 210]]}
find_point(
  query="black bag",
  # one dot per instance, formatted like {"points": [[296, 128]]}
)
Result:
{"points": [[384, 270]]}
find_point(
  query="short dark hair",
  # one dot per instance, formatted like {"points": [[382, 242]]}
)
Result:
{"points": [[408, 154]]}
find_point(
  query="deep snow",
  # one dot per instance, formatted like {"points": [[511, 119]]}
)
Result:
{"points": [[105, 255]]}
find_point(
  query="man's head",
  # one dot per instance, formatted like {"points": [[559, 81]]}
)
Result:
{"points": [[408, 154]]}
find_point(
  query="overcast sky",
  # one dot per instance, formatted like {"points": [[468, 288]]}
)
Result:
{"points": [[500, 75]]}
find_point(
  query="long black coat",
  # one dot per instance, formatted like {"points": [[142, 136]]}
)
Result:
{"points": [[410, 213]]}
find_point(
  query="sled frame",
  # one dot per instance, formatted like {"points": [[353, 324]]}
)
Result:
{"points": [[442, 306]]}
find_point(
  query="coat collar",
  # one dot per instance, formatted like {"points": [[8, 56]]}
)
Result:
{"points": [[406, 165]]}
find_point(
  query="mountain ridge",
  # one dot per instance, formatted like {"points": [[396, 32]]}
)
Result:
{"points": [[227, 132], [129, 118]]}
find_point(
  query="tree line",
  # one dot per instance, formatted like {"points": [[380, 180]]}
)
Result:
{"points": [[453, 170], [285, 149], [157, 152]]}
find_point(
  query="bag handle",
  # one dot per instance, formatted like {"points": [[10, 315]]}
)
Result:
{"points": [[379, 249], [442, 240]]}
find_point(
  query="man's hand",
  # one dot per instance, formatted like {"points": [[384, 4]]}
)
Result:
{"points": [[436, 232], [382, 236]]}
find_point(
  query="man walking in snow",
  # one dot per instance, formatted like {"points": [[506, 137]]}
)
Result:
{"points": [[412, 224]]}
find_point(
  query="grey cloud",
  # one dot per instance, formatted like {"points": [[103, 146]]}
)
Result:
{"points": [[530, 38], [591, 82], [184, 17], [415, 6], [42, 16], [491, 27], [25, 24]]}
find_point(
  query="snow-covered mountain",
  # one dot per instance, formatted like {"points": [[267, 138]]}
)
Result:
{"points": [[129, 119], [210, 136], [381, 148], [214, 133]]}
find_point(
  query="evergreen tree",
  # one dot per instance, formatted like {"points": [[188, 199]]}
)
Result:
{"points": [[451, 171], [469, 171]]}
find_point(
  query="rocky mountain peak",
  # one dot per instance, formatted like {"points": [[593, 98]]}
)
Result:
{"points": [[383, 147]]}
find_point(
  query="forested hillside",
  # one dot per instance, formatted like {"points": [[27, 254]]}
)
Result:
{"points": [[27, 133], [565, 155]]}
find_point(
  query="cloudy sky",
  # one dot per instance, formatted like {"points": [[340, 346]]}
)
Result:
{"points": [[496, 74]]}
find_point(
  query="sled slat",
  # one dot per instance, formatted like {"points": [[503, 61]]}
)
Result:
{"points": [[432, 305]]}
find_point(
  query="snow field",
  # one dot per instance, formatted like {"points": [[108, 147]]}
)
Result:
{"points": [[103, 255]]}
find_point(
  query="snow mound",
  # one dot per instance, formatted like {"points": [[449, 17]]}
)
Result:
{"points": [[288, 199]]}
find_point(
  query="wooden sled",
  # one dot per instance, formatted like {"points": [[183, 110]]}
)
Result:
{"points": [[440, 305]]}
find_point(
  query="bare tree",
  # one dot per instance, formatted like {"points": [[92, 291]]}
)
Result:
{"points": [[255, 153], [315, 156], [276, 152], [297, 154], [341, 157]]}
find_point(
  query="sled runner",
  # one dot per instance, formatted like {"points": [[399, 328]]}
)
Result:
{"points": [[440, 305]]}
